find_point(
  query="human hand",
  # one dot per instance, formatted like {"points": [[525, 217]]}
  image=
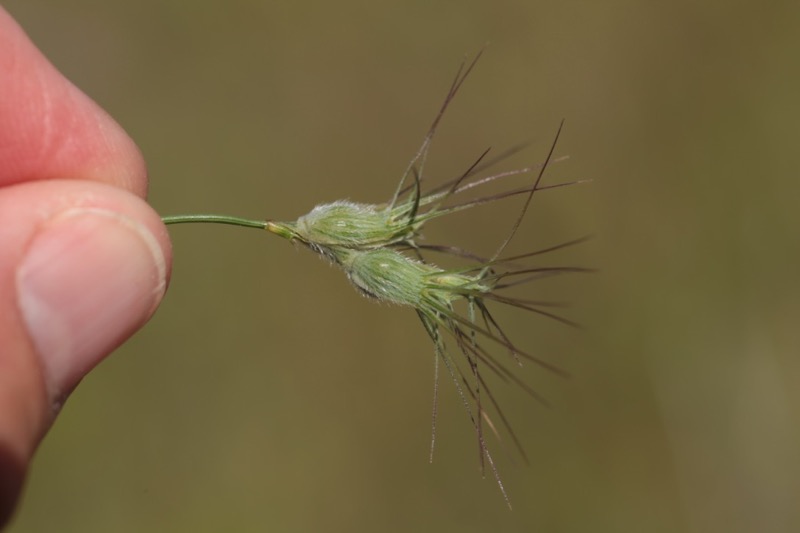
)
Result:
{"points": [[84, 261]]}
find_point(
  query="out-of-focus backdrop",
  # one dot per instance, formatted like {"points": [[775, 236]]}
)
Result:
{"points": [[266, 395]]}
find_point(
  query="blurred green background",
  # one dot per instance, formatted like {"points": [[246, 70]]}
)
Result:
{"points": [[266, 395]]}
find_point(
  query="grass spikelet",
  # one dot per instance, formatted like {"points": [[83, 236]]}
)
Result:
{"points": [[376, 246], [390, 276], [398, 222]]}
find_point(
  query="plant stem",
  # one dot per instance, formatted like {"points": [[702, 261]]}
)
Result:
{"points": [[215, 219]]}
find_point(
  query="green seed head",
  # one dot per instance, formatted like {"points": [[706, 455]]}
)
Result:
{"points": [[369, 243], [390, 276], [348, 225], [385, 275]]}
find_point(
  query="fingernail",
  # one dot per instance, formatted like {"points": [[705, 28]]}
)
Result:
{"points": [[89, 279]]}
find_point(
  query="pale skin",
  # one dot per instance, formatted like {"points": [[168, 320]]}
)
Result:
{"points": [[84, 261]]}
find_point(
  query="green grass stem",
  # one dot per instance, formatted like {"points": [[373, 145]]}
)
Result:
{"points": [[214, 219]]}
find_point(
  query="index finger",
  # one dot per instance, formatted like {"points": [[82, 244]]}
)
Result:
{"points": [[49, 129]]}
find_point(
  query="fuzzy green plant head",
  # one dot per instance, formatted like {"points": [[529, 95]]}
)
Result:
{"points": [[372, 249], [360, 226], [379, 248], [390, 276], [347, 225], [399, 221]]}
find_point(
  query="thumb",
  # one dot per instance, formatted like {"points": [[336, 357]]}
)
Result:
{"points": [[84, 265]]}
